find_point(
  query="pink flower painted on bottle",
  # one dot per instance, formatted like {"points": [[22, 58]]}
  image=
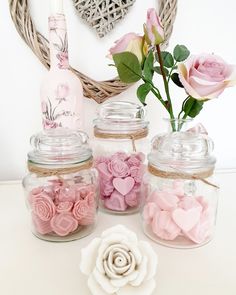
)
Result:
{"points": [[61, 90]]}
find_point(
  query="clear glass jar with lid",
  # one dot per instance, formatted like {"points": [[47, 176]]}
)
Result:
{"points": [[120, 147], [62, 185], [180, 195]]}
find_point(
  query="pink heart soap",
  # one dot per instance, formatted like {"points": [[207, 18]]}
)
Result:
{"points": [[123, 186], [186, 219], [116, 202]]}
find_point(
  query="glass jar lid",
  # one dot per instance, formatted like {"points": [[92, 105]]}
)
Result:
{"points": [[60, 146], [187, 151], [121, 116]]}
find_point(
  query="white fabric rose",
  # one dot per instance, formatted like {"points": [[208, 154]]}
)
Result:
{"points": [[117, 263]]}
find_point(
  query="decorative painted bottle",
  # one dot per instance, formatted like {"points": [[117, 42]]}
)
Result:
{"points": [[61, 90]]}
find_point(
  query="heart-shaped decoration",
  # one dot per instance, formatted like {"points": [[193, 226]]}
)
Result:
{"points": [[102, 15], [186, 219], [123, 186]]}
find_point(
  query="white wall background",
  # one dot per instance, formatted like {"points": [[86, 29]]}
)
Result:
{"points": [[203, 26]]}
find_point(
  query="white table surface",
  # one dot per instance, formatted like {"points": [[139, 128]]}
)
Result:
{"points": [[29, 266]]}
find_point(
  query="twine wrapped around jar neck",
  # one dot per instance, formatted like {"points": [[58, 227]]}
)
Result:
{"points": [[178, 174], [141, 133], [44, 172]]}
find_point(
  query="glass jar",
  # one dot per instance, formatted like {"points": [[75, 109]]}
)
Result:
{"points": [[180, 195], [120, 146], [61, 187]]}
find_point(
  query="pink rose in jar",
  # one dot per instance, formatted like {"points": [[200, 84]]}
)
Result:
{"points": [[64, 207], [42, 227], [106, 187], [64, 223], [120, 155], [206, 76], [118, 168], [43, 206], [137, 173], [82, 210], [66, 194], [134, 160]]}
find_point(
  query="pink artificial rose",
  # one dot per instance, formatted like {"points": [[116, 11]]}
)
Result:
{"points": [[63, 224], [84, 212], [64, 207], [164, 227], [154, 32], [63, 60], [206, 76], [62, 91], [118, 168], [43, 206], [130, 42]]}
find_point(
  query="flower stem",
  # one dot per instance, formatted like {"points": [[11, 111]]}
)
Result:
{"points": [[166, 86]]}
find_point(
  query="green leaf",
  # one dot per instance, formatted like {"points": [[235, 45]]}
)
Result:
{"points": [[181, 52], [128, 67], [193, 107], [167, 59], [158, 71], [143, 91], [148, 66], [176, 80]]}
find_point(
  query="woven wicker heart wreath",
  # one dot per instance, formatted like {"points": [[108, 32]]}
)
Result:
{"points": [[97, 90]]}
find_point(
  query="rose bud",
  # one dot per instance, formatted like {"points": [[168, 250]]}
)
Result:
{"points": [[153, 29]]}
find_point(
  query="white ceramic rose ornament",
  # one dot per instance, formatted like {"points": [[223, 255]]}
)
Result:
{"points": [[117, 263]]}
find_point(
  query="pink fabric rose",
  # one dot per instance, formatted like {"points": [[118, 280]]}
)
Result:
{"points": [[130, 42], [64, 207], [43, 206], [154, 32], [206, 76], [118, 168], [64, 223]]}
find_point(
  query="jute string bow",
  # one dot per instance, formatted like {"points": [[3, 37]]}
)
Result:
{"points": [[178, 174], [142, 133], [44, 172]]}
